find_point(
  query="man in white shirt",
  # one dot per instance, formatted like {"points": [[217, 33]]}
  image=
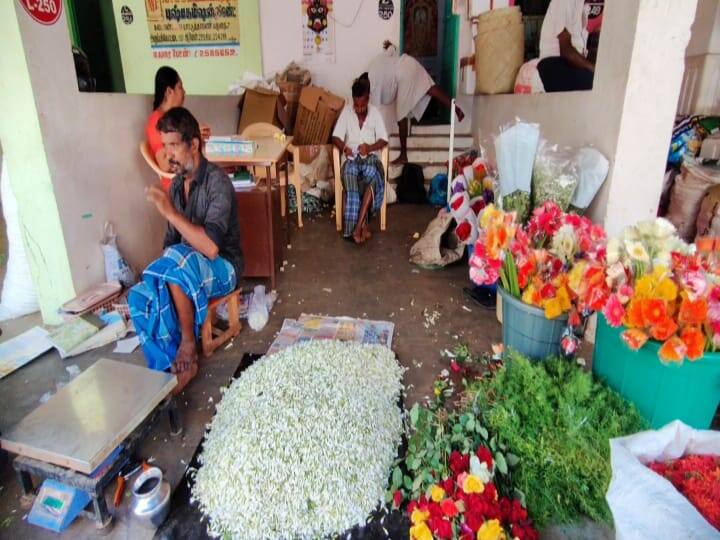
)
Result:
{"points": [[359, 135], [563, 63]]}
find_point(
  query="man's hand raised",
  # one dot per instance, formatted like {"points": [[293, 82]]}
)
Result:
{"points": [[161, 200]]}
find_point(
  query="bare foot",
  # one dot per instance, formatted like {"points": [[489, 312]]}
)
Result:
{"points": [[185, 365], [366, 234], [358, 236], [401, 159], [459, 113], [184, 378]]}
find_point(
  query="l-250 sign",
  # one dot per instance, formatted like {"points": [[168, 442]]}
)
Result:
{"points": [[43, 11]]}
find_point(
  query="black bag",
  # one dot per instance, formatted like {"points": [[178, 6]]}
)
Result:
{"points": [[411, 185]]}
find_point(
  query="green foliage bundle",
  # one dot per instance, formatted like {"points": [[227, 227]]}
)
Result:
{"points": [[557, 420]]}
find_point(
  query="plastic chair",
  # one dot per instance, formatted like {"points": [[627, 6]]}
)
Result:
{"points": [[164, 177], [384, 158], [264, 129]]}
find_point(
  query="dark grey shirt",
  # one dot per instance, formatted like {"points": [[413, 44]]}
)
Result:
{"points": [[211, 204]]}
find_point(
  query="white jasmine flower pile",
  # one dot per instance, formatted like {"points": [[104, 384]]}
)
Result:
{"points": [[302, 443]]}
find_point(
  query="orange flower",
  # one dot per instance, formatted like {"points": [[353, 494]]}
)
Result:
{"points": [[634, 315], [694, 340], [664, 329], [673, 350], [653, 311], [634, 338], [692, 312]]}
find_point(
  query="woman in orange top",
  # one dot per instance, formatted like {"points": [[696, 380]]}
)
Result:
{"points": [[169, 93]]}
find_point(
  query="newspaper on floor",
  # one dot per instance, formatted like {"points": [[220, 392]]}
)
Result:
{"points": [[309, 327]]}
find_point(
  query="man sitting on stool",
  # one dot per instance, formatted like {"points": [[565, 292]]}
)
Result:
{"points": [[563, 41], [202, 257], [359, 134]]}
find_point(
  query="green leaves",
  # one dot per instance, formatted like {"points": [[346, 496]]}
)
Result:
{"points": [[397, 478], [500, 463], [414, 414]]}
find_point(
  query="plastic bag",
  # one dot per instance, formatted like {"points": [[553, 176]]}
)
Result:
{"points": [[260, 307], [555, 176], [18, 292], [515, 149], [116, 267], [593, 168], [644, 504]]}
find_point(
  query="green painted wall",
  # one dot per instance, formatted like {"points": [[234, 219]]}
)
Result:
{"points": [[201, 76], [30, 178]]}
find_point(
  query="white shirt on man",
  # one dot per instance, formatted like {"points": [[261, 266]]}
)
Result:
{"points": [[570, 15], [348, 127]]}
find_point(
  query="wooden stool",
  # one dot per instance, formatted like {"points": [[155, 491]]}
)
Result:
{"points": [[212, 336]]}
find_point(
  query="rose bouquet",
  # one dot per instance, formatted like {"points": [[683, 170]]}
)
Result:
{"points": [[471, 192], [664, 289], [555, 262], [466, 505]]}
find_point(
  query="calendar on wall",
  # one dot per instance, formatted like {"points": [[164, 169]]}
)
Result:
{"points": [[318, 33]]}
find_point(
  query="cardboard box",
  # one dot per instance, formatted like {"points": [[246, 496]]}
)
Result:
{"points": [[258, 105], [318, 111]]}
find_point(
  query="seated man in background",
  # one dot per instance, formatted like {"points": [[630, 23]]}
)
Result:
{"points": [[202, 257], [564, 65], [359, 134]]}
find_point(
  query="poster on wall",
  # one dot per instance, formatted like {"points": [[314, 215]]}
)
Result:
{"points": [[318, 33], [193, 28]]}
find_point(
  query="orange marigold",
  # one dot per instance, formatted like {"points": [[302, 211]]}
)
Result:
{"points": [[664, 329], [634, 338], [693, 312], [653, 311], [634, 315], [673, 350], [694, 340]]}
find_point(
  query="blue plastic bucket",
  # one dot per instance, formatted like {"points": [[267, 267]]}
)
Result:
{"points": [[527, 330]]}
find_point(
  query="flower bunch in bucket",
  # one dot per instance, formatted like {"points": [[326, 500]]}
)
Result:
{"points": [[470, 192], [665, 290], [466, 505], [555, 262]]}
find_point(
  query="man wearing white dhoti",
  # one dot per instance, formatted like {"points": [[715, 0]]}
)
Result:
{"points": [[404, 81]]}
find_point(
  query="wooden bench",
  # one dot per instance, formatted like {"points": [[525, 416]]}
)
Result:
{"points": [[213, 336]]}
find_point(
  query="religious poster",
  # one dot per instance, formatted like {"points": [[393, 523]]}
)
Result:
{"points": [[193, 28], [318, 32]]}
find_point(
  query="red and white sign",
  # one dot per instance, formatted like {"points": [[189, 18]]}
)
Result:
{"points": [[43, 11]]}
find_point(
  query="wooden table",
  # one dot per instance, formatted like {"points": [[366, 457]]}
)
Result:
{"points": [[269, 153]]}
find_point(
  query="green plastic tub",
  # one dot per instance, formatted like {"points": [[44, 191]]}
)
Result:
{"points": [[662, 392], [527, 330]]}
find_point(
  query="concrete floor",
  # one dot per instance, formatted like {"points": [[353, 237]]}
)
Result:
{"points": [[324, 275]]}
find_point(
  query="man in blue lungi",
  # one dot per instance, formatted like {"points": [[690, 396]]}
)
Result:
{"points": [[202, 258], [360, 134]]}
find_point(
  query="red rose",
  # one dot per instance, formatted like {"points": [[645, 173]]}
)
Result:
{"points": [[490, 493], [441, 528], [435, 510], [457, 203], [463, 231], [412, 506], [448, 507], [474, 520], [449, 486], [397, 499], [485, 455], [455, 367], [459, 463], [478, 206]]}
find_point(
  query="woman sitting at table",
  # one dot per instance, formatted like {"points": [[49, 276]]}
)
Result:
{"points": [[359, 134], [169, 93]]}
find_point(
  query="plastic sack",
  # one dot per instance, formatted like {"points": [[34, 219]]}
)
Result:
{"points": [[515, 149], [593, 168], [116, 267], [554, 177], [260, 307], [437, 196], [438, 246], [644, 504], [18, 292]]}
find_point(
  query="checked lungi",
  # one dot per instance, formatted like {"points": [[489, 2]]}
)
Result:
{"points": [[357, 175], [151, 306]]}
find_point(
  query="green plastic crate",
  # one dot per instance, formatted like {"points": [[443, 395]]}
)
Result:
{"points": [[662, 392]]}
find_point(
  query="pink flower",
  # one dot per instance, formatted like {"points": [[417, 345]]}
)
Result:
{"points": [[695, 284], [614, 311], [625, 293]]}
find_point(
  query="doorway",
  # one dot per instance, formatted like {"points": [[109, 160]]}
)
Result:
{"points": [[429, 32]]}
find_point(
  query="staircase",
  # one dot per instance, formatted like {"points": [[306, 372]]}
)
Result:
{"points": [[428, 147]]}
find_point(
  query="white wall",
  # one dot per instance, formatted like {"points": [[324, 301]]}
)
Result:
{"points": [[705, 38], [92, 144]]}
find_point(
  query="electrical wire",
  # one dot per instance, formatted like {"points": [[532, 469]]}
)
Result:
{"points": [[357, 12]]}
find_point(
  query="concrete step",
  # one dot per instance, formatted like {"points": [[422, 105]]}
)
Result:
{"points": [[433, 141], [429, 170], [426, 155], [443, 129]]}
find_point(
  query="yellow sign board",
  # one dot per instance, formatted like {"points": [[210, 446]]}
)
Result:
{"points": [[193, 28]]}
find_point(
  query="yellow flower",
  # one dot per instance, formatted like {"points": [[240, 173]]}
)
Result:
{"points": [[576, 274], [564, 299], [419, 516], [667, 290], [528, 294], [437, 493], [644, 287], [553, 309], [420, 532], [491, 530], [473, 484], [437, 392]]}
